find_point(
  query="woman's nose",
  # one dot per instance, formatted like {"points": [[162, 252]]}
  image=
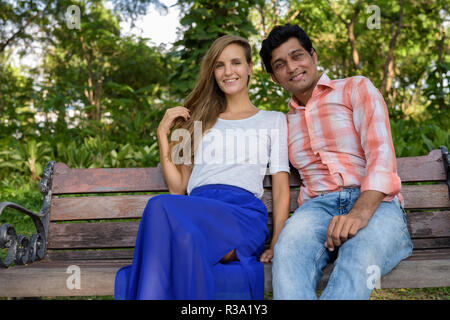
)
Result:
{"points": [[228, 69]]}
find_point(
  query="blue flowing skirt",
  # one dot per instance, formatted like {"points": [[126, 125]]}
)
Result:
{"points": [[181, 240]]}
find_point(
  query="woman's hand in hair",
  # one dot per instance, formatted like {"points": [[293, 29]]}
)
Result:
{"points": [[169, 118]]}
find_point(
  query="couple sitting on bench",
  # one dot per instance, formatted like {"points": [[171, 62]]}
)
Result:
{"points": [[336, 134]]}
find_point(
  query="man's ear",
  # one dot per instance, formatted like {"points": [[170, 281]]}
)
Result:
{"points": [[274, 79], [314, 56]]}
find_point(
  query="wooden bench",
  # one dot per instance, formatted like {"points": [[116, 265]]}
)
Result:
{"points": [[92, 234]]}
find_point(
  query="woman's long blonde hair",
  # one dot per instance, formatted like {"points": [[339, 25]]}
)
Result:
{"points": [[207, 100]]}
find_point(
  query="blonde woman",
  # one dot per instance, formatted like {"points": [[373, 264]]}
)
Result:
{"points": [[209, 243]]}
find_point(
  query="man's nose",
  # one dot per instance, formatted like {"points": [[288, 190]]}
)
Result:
{"points": [[290, 66]]}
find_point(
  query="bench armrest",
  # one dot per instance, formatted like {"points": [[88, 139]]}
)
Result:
{"points": [[22, 250]]}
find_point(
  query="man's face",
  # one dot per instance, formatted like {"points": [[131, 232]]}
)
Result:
{"points": [[294, 68]]}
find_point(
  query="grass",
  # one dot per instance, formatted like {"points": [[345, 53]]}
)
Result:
{"points": [[400, 294], [411, 294]]}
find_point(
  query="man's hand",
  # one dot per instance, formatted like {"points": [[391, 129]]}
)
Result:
{"points": [[344, 227]]}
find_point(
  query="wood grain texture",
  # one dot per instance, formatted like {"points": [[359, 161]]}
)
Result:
{"points": [[92, 235], [426, 196], [422, 168], [120, 207], [56, 256], [40, 279], [97, 277], [104, 180], [429, 230], [429, 224]]}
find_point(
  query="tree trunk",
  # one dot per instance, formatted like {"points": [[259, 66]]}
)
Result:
{"points": [[352, 40], [390, 56], [95, 81], [350, 32]]}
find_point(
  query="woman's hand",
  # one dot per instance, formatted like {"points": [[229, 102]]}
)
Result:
{"points": [[169, 119], [267, 256]]}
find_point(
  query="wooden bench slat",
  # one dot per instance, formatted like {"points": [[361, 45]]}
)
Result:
{"points": [[426, 196], [422, 168], [431, 243], [92, 235], [89, 254], [429, 224], [41, 279], [132, 206], [53, 256], [104, 180], [98, 207], [119, 207], [97, 277], [428, 230]]}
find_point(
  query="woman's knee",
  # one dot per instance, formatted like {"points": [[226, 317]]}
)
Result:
{"points": [[230, 256]]}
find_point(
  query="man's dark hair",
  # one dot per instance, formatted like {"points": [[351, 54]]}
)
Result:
{"points": [[278, 36]]}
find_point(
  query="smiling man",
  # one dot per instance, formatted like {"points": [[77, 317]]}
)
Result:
{"points": [[350, 206]]}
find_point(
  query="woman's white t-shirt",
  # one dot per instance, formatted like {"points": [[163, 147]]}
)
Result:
{"points": [[241, 152]]}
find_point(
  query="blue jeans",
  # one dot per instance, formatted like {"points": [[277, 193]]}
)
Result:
{"points": [[300, 255]]}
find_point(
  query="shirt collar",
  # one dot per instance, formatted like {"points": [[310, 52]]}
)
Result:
{"points": [[324, 81]]}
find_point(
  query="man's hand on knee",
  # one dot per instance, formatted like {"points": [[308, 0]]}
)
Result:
{"points": [[344, 227]]}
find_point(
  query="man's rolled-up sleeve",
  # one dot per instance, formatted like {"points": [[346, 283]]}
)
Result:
{"points": [[371, 119]]}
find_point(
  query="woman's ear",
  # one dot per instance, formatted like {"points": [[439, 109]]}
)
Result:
{"points": [[250, 68]]}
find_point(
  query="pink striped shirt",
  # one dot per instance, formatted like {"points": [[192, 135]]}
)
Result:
{"points": [[342, 138]]}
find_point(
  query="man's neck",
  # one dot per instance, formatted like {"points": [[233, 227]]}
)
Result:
{"points": [[303, 97]]}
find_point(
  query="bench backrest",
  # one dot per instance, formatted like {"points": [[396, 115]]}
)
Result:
{"points": [[87, 214]]}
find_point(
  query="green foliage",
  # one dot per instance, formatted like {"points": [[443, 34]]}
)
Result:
{"points": [[97, 98], [203, 22], [25, 158], [17, 188], [95, 153], [413, 138]]}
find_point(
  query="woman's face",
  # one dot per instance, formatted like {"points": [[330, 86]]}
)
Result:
{"points": [[231, 70]]}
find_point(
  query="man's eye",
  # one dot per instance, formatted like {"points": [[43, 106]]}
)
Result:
{"points": [[278, 65]]}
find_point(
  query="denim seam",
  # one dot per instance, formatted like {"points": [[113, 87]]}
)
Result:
{"points": [[316, 259], [330, 283]]}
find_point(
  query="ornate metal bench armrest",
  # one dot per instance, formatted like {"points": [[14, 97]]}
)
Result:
{"points": [[22, 250]]}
